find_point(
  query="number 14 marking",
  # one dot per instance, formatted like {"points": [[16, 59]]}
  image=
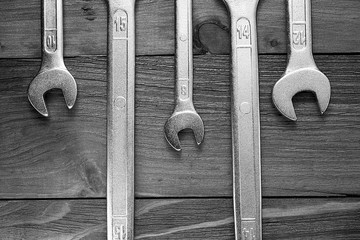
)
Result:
{"points": [[243, 31]]}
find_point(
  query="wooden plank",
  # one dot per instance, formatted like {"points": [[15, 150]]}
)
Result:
{"points": [[335, 27], [64, 156], [180, 219]]}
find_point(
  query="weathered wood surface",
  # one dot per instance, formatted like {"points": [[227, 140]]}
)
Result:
{"points": [[320, 219], [64, 156], [335, 27]]}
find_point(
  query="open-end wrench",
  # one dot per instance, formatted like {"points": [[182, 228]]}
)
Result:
{"points": [[184, 115], [53, 73], [245, 120], [121, 120], [301, 73]]}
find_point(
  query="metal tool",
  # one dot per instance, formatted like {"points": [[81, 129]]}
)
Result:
{"points": [[184, 115], [121, 120], [53, 73], [302, 73], [245, 120]]}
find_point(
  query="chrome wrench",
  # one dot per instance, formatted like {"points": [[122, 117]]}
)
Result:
{"points": [[245, 120], [53, 73], [121, 120], [184, 115], [301, 73]]}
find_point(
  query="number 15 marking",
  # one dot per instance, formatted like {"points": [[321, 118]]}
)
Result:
{"points": [[120, 23]]}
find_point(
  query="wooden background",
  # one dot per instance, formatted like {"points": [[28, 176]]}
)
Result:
{"points": [[53, 171]]}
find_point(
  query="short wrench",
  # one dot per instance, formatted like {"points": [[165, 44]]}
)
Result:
{"points": [[184, 115], [301, 73], [121, 120], [53, 73], [245, 120]]}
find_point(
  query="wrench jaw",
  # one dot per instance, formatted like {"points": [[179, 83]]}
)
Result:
{"points": [[180, 121], [302, 80], [52, 79]]}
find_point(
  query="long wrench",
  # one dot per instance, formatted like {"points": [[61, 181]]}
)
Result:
{"points": [[184, 115], [301, 73], [121, 120], [53, 73], [245, 120]]}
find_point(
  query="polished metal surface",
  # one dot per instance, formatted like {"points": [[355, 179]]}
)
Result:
{"points": [[245, 120], [53, 73], [302, 73], [121, 120], [184, 115]]}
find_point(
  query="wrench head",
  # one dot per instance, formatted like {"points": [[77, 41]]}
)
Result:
{"points": [[51, 79], [306, 79], [180, 121]]}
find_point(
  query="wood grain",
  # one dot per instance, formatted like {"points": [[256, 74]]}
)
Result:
{"points": [[323, 219], [65, 155], [335, 27]]}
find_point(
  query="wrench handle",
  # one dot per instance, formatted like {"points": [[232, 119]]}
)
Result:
{"points": [[246, 125], [300, 34], [53, 47], [184, 55], [120, 125]]}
